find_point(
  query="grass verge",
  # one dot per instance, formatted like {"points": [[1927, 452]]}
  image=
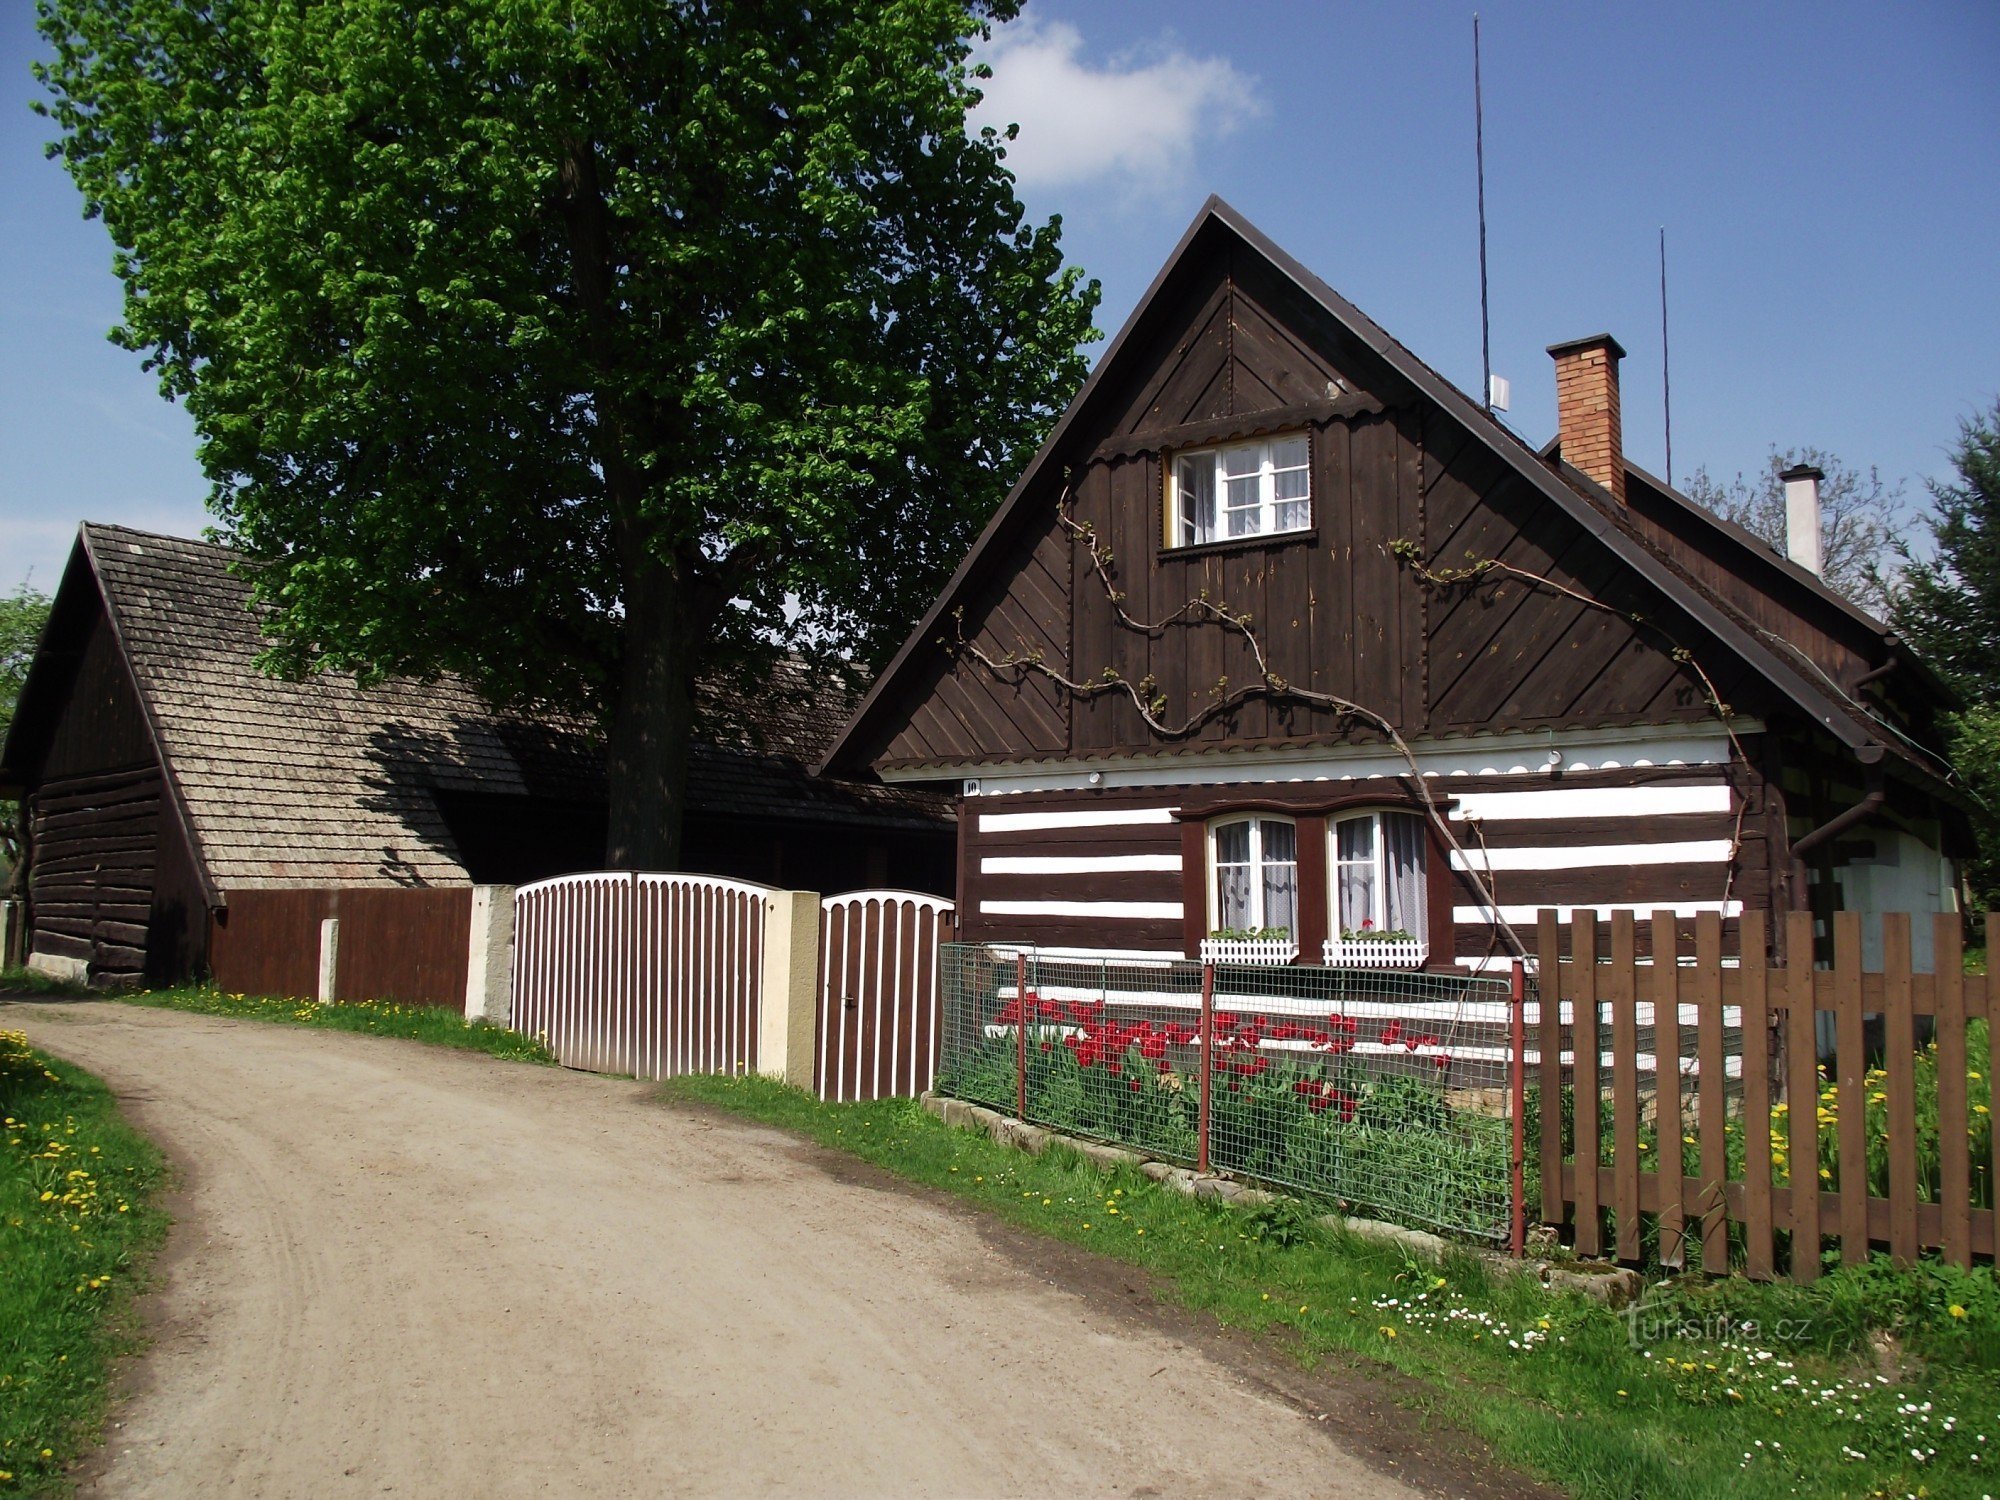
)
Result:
{"points": [[422, 1023], [77, 1223], [1871, 1382]]}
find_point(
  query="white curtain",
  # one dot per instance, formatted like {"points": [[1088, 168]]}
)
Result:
{"points": [[1356, 872], [1403, 839], [1281, 875]]}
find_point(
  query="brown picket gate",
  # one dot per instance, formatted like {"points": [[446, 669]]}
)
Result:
{"points": [[877, 1021]]}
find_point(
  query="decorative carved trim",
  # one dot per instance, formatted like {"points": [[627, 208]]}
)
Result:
{"points": [[1315, 414]]}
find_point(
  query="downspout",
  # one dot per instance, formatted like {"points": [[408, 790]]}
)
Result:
{"points": [[1833, 828]]}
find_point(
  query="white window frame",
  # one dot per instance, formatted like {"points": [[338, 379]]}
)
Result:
{"points": [[1256, 866], [1343, 950], [1256, 460]]}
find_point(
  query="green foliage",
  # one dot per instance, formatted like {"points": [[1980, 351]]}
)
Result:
{"points": [[77, 1222], [1372, 1140], [1948, 608], [581, 351], [1860, 517], [23, 613], [1251, 934]]}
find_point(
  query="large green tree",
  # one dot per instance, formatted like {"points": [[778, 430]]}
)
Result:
{"points": [[583, 348], [1947, 606]]}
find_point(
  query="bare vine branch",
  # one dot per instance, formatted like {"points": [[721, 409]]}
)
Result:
{"points": [[1151, 705]]}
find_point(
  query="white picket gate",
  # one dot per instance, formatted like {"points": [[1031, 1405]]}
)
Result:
{"points": [[878, 1017], [649, 975]]}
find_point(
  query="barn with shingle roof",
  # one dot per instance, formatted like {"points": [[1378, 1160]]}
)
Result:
{"points": [[160, 771]]}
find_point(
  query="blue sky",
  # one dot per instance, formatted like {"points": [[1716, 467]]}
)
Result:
{"points": [[1826, 175]]}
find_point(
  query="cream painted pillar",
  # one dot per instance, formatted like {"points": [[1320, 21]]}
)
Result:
{"points": [[329, 957], [791, 987], [489, 958]]}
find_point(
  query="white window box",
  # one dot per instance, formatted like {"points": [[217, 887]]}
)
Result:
{"points": [[1376, 953], [1248, 950]]}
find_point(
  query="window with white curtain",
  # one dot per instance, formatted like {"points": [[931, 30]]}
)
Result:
{"points": [[1378, 874], [1256, 863], [1242, 490]]}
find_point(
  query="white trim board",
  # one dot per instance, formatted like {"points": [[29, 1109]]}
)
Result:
{"points": [[1161, 911], [1084, 817], [1075, 864], [1592, 856], [1620, 748], [1548, 803], [1517, 916]]}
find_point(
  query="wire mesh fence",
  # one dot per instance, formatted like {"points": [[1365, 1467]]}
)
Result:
{"points": [[1386, 1092]]}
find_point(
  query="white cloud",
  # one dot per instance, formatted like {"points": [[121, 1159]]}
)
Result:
{"points": [[1138, 120]]}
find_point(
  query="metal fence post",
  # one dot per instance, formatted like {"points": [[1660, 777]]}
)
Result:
{"points": [[1021, 1036], [1516, 1047], [1207, 1066]]}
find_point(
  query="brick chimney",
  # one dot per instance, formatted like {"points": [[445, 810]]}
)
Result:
{"points": [[1587, 416]]}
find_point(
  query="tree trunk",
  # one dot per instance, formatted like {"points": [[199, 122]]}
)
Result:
{"points": [[652, 724]]}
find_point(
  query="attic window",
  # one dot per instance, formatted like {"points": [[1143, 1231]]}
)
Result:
{"points": [[1258, 488]]}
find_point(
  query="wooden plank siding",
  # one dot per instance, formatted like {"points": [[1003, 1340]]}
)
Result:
{"points": [[1335, 608]]}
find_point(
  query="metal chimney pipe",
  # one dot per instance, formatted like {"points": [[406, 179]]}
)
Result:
{"points": [[1802, 536]]}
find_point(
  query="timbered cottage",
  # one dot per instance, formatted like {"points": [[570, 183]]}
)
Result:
{"points": [[162, 773], [1284, 646]]}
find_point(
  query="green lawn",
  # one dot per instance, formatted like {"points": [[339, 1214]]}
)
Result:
{"points": [[1717, 1389], [424, 1023], [77, 1223]]}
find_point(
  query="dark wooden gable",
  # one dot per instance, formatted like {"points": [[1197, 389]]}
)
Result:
{"points": [[1229, 348]]}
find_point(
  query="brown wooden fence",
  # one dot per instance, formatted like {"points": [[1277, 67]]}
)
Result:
{"points": [[396, 943], [877, 1018], [1719, 1069]]}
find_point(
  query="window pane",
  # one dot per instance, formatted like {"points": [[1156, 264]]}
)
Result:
{"points": [[1291, 484], [1357, 838], [1356, 888], [1281, 840], [1288, 453], [1356, 875], [1197, 497], [1243, 498], [1404, 839], [1232, 896], [1280, 874], [1232, 844], [1246, 461]]}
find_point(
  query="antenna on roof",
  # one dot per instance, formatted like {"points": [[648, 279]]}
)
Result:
{"points": [[1666, 364], [1479, 154]]}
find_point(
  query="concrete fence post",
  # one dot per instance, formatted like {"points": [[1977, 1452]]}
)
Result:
{"points": [[13, 952], [489, 958], [329, 957], [791, 987]]}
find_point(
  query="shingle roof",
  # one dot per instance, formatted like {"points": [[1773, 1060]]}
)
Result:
{"points": [[325, 782]]}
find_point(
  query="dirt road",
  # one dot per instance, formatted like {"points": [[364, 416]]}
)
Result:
{"points": [[404, 1269]]}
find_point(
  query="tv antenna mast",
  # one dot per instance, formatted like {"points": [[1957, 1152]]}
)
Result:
{"points": [[1479, 155]]}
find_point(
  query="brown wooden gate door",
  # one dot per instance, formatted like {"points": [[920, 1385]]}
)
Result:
{"points": [[877, 1022]]}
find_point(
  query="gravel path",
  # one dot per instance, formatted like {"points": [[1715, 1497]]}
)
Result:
{"points": [[399, 1268]]}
